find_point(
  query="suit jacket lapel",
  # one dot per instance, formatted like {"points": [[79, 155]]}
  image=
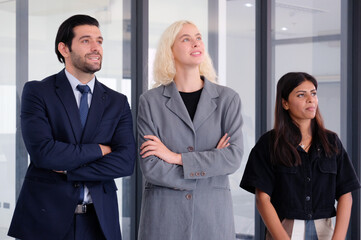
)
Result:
{"points": [[66, 96], [96, 111], [206, 105], [176, 105]]}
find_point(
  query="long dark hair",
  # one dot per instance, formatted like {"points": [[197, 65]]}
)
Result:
{"points": [[287, 134], [66, 34]]}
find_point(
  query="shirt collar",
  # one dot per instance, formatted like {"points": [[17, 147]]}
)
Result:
{"points": [[75, 82]]}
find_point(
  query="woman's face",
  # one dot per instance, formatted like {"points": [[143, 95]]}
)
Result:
{"points": [[302, 102], [188, 47]]}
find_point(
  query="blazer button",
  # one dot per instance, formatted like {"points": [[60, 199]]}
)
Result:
{"points": [[189, 196], [191, 174], [190, 149], [203, 173], [198, 174]]}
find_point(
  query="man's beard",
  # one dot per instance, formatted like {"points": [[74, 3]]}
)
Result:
{"points": [[85, 67]]}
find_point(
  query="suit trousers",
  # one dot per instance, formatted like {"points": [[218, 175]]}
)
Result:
{"points": [[85, 226]]}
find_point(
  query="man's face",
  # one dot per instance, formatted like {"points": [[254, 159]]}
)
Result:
{"points": [[86, 50]]}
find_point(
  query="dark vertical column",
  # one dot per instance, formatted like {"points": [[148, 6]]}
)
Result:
{"points": [[139, 73], [346, 43], [354, 107], [22, 28], [213, 6], [263, 64], [263, 80], [128, 183]]}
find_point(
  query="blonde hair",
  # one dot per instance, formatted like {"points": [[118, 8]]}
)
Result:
{"points": [[164, 66]]}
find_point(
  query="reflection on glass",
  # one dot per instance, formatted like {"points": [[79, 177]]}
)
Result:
{"points": [[307, 37], [8, 115], [306, 18]]}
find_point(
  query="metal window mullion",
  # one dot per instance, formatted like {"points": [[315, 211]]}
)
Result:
{"points": [[353, 99], [263, 82], [139, 75], [22, 75]]}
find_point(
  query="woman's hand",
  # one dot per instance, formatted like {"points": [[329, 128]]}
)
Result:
{"points": [[155, 147], [343, 214], [223, 142], [269, 216]]}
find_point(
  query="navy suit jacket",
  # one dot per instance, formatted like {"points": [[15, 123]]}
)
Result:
{"points": [[53, 136]]}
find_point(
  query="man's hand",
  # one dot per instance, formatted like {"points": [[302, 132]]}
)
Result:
{"points": [[105, 149]]}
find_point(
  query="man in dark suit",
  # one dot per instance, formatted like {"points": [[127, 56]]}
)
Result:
{"points": [[79, 136]]}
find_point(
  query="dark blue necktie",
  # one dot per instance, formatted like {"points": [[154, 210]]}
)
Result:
{"points": [[83, 106], [83, 110]]}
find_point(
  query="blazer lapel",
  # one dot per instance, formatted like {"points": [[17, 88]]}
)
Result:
{"points": [[95, 113], [176, 105], [206, 105], [66, 96]]}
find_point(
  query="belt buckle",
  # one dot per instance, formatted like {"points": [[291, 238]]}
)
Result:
{"points": [[81, 209]]}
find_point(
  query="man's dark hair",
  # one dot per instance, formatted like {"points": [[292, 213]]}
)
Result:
{"points": [[66, 34]]}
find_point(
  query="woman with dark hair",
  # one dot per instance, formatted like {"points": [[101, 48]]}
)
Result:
{"points": [[298, 169]]}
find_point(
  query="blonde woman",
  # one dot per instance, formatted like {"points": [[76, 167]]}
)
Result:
{"points": [[190, 141]]}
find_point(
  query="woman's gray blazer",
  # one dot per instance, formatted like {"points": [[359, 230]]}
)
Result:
{"points": [[193, 201]]}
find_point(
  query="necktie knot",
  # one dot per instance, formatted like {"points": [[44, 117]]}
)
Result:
{"points": [[83, 88]]}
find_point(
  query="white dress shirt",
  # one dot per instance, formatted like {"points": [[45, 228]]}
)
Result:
{"points": [[74, 82]]}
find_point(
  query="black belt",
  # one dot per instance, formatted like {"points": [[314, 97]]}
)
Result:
{"points": [[83, 208]]}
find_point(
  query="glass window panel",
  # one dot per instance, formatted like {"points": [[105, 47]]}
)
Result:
{"points": [[45, 18], [240, 76], [307, 38], [8, 115], [306, 18]]}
